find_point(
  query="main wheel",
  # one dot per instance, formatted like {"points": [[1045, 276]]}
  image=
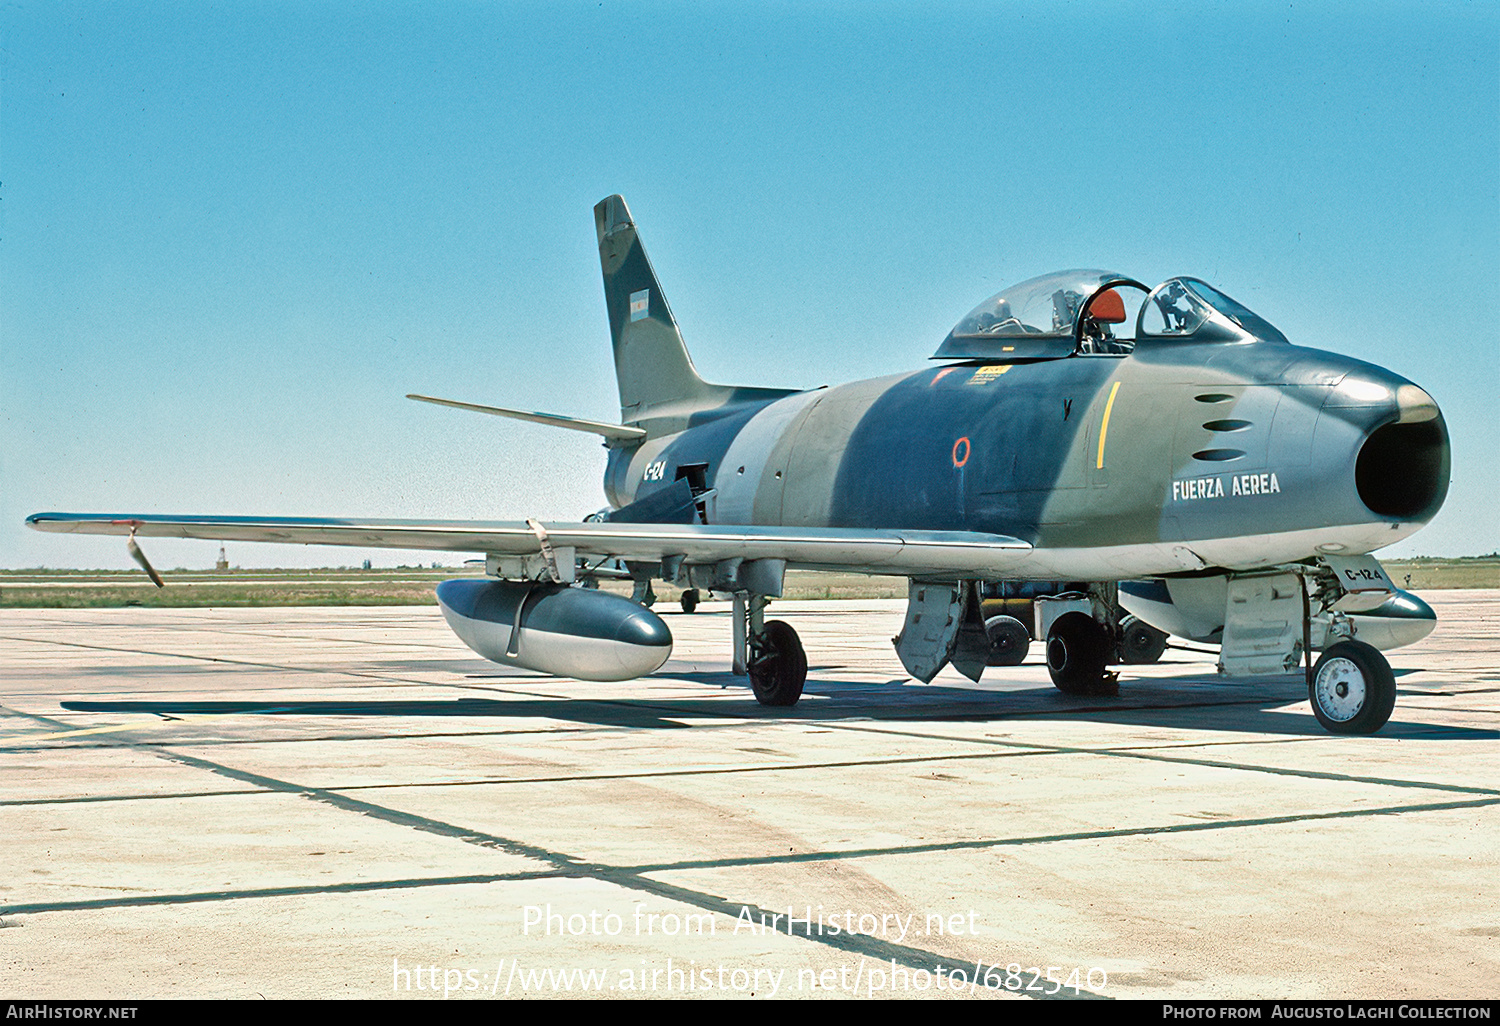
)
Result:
{"points": [[1140, 642], [690, 600], [1009, 640], [1078, 656], [1353, 690], [778, 665]]}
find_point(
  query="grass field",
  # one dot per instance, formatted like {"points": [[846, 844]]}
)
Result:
{"points": [[1438, 572], [87, 589], [413, 586]]}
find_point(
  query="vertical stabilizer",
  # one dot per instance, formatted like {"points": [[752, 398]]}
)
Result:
{"points": [[660, 391], [651, 361]]}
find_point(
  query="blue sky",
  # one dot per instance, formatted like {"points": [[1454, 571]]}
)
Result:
{"points": [[233, 235]]}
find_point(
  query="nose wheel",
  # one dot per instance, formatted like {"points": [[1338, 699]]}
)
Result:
{"points": [[1352, 689]]}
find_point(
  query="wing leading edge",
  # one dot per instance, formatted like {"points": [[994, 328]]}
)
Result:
{"points": [[904, 553]]}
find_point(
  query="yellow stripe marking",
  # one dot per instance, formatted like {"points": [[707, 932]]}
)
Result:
{"points": [[1104, 426]]}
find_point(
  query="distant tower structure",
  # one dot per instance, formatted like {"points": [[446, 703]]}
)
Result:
{"points": [[223, 561]]}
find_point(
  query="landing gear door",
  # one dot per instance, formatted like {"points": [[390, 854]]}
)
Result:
{"points": [[943, 622], [1262, 625], [1363, 580]]}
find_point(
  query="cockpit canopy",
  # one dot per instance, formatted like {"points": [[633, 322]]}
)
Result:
{"points": [[1092, 312]]}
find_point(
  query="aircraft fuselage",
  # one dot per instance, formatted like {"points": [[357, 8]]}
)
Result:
{"points": [[1170, 458]]}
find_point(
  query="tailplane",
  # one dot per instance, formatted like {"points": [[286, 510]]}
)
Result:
{"points": [[660, 390]]}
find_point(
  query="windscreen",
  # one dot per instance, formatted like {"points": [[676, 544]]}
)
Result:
{"points": [[1182, 307]]}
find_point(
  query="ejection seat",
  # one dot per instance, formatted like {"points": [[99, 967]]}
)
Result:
{"points": [[1106, 308]]}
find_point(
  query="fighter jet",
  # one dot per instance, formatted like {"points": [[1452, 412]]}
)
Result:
{"points": [[1079, 427]]}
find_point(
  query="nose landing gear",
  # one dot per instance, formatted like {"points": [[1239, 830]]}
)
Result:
{"points": [[1352, 689]]}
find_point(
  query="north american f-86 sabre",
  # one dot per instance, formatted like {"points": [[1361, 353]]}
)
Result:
{"points": [[1165, 449]]}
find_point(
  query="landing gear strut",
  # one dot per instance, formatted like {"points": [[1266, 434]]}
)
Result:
{"points": [[769, 651]]}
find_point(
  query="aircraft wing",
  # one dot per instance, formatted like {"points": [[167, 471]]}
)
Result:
{"points": [[898, 552]]}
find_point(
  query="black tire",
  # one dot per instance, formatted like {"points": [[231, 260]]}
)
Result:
{"points": [[1009, 640], [1353, 690], [778, 665], [1140, 642], [1078, 656], [690, 600]]}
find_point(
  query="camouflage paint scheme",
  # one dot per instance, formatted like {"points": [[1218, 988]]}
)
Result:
{"points": [[1179, 455]]}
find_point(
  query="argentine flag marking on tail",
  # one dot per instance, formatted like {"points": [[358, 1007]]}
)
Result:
{"points": [[640, 305]]}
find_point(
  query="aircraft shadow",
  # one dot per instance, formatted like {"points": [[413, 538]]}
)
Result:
{"points": [[1193, 703], [576, 710], [1174, 703]]}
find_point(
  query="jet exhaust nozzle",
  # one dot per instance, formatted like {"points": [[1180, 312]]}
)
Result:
{"points": [[569, 632]]}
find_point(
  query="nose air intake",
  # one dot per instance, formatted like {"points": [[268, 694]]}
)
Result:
{"points": [[1402, 469]]}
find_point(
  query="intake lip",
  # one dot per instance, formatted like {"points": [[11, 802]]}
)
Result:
{"points": [[1415, 405]]}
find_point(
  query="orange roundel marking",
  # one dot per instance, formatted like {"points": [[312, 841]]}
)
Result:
{"points": [[961, 451]]}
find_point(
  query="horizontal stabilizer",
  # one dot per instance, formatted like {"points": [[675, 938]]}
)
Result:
{"points": [[614, 434], [904, 553]]}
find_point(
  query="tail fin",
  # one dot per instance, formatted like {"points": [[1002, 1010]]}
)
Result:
{"points": [[658, 382]]}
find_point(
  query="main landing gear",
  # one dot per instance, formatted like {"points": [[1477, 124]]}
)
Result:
{"points": [[778, 665], [769, 651], [1140, 642], [1078, 656]]}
